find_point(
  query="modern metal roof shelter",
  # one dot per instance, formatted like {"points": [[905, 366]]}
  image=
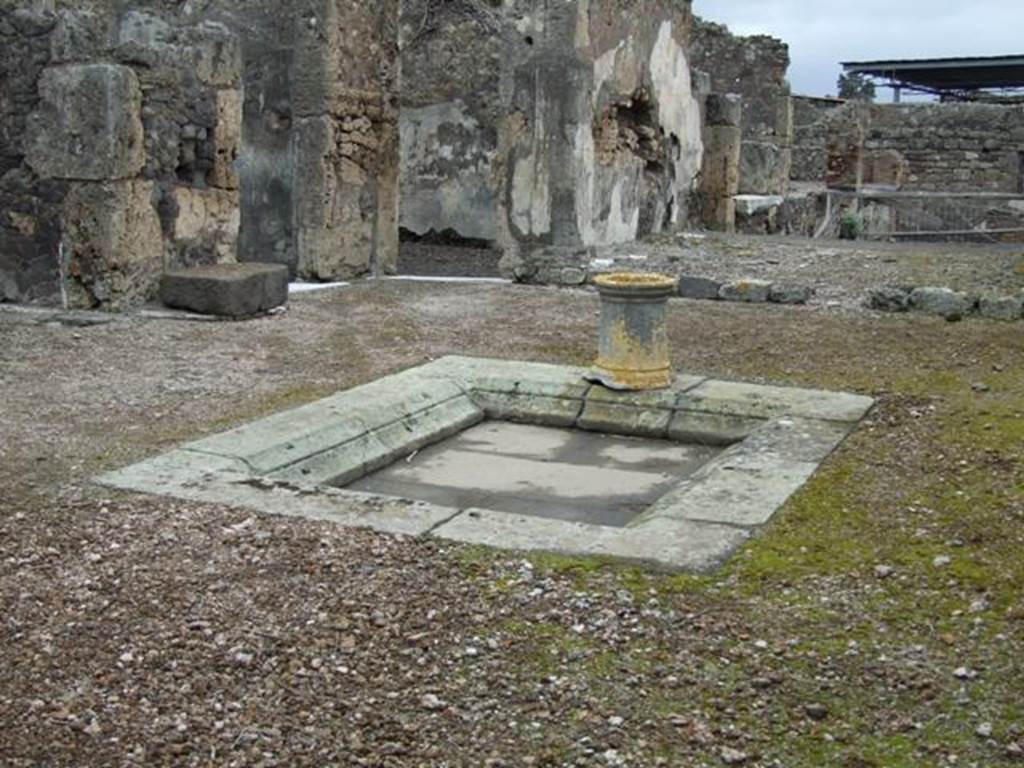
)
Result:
{"points": [[966, 79]]}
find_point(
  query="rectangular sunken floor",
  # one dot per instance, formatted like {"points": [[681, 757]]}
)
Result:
{"points": [[563, 474]]}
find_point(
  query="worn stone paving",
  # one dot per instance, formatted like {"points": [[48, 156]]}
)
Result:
{"points": [[542, 472]]}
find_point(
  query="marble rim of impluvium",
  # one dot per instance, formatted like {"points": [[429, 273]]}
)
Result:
{"points": [[294, 463]]}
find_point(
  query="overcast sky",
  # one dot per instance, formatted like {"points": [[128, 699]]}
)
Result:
{"points": [[821, 33]]}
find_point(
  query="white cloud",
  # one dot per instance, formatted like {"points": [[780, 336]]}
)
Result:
{"points": [[822, 33]]}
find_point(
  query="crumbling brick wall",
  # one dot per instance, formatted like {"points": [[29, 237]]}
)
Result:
{"points": [[754, 68], [126, 146], [810, 137]]}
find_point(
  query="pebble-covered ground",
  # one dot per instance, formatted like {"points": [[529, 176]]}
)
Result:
{"points": [[877, 622]]}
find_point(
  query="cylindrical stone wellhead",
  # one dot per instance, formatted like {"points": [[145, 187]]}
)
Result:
{"points": [[634, 348]]}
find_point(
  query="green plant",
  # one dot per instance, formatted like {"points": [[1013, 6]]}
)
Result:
{"points": [[850, 227]]}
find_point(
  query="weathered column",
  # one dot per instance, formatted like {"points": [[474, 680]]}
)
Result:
{"points": [[720, 177], [634, 348]]}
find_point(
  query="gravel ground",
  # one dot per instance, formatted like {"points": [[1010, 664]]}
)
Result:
{"points": [[879, 621]]}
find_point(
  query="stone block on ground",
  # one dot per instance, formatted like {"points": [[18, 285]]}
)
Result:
{"points": [[691, 287], [227, 290], [749, 291], [1007, 308], [942, 301]]}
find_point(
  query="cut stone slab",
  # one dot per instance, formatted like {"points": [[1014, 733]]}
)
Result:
{"points": [[733, 398], [711, 428], [673, 543], [646, 414], [226, 290]]}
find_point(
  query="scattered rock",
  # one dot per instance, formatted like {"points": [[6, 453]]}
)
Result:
{"points": [[884, 571], [944, 302], [816, 711], [941, 561], [984, 730], [732, 756], [573, 276], [790, 294], [432, 702], [691, 287], [964, 673], [890, 299], [748, 291], [1008, 308]]}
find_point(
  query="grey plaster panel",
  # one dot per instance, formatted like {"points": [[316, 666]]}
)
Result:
{"points": [[742, 399], [673, 544]]}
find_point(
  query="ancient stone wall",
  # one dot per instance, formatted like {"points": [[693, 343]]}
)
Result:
{"points": [[456, 60], [810, 137], [754, 68], [602, 143], [126, 147], [927, 147]]}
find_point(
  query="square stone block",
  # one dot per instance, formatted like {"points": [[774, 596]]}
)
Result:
{"points": [[228, 290], [88, 126]]}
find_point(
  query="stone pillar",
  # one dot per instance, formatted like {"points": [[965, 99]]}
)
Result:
{"points": [[720, 178], [847, 131], [345, 138]]}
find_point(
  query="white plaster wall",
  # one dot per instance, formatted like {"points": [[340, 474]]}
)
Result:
{"points": [[679, 110]]}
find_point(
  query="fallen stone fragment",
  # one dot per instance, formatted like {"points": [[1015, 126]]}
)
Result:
{"points": [[691, 287], [1008, 308], [790, 294], [748, 291], [891, 299], [944, 302]]}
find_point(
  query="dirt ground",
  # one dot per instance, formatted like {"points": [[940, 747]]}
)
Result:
{"points": [[878, 621]]}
